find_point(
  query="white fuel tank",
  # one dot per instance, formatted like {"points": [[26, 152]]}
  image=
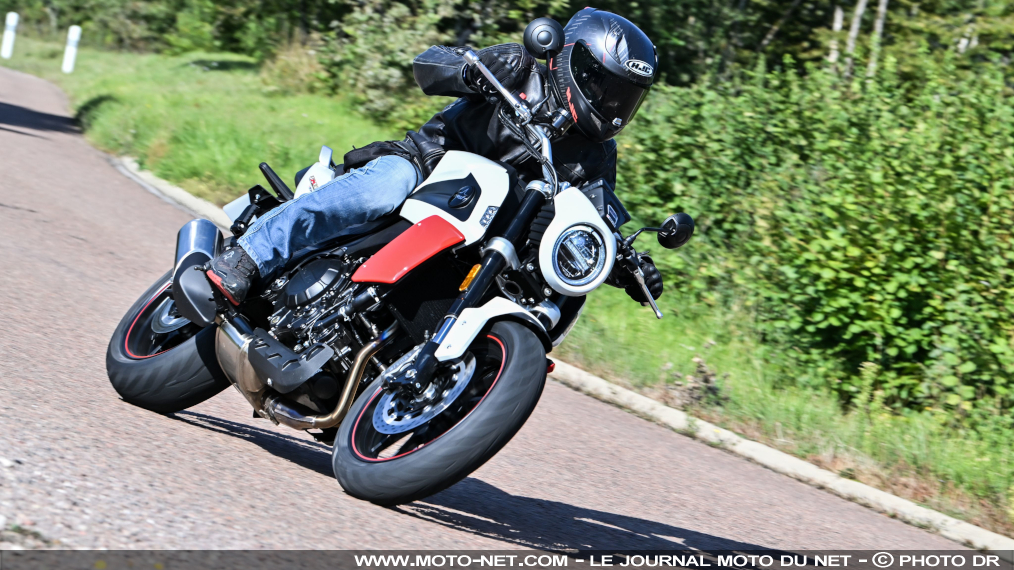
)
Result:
{"points": [[465, 189]]}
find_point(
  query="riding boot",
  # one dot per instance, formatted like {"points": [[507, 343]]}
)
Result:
{"points": [[232, 273]]}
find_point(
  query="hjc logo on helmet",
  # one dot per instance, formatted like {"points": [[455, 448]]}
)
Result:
{"points": [[639, 67]]}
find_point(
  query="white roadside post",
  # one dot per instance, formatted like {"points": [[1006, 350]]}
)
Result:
{"points": [[73, 37], [10, 28]]}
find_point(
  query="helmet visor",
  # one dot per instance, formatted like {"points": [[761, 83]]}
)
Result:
{"points": [[611, 96]]}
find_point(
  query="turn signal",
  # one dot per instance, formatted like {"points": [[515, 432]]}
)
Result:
{"points": [[470, 277]]}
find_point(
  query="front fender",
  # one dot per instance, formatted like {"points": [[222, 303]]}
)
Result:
{"points": [[472, 321]]}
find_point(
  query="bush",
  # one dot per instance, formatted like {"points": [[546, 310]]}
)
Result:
{"points": [[869, 224], [293, 69], [369, 58]]}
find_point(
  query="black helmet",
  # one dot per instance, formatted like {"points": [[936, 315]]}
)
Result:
{"points": [[603, 72]]}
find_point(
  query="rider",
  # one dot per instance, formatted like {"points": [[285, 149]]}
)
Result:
{"points": [[601, 76]]}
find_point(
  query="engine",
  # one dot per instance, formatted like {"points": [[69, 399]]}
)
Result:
{"points": [[316, 304]]}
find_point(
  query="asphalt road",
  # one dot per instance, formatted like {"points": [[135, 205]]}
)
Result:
{"points": [[79, 242]]}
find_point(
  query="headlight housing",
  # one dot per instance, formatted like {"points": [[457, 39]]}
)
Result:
{"points": [[578, 248], [579, 255]]}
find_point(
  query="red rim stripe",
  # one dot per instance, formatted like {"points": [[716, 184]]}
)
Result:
{"points": [[126, 339], [355, 426]]}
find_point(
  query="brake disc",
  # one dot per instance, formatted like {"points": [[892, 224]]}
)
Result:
{"points": [[391, 416], [165, 321]]}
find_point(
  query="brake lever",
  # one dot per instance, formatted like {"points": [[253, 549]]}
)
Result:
{"points": [[629, 258], [639, 277], [522, 110]]}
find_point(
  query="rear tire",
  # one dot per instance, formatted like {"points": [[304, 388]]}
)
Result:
{"points": [[461, 449], [180, 377]]}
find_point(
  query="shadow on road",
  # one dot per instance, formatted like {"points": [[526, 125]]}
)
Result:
{"points": [[479, 508], [23, 117], [476, 507], [307, 454]]}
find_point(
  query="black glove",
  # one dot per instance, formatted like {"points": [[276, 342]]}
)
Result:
{"points": [[621, 277], [504, 61]]}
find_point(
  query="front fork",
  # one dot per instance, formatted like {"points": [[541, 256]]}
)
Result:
{"points": [[417, 376]]}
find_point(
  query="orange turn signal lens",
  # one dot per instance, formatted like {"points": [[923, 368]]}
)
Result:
{"points": [[470, 277]]}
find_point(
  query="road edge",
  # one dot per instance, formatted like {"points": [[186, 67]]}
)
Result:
{"points": [[171, 193], [962, 532], [573, 377]]}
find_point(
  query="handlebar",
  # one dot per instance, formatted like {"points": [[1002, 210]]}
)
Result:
{"points": [[522, 110], [525, 116]]}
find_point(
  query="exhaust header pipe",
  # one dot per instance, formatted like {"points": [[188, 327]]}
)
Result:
{"points": [[283, 413], [232, 348]]}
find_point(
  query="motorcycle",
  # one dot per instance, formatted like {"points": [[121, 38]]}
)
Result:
{"points": [[416, 344]]}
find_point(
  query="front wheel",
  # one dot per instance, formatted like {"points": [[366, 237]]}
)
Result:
{"points": [[390, 452]]}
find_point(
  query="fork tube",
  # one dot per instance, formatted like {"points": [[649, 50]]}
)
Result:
{"points": [[492, 264]]}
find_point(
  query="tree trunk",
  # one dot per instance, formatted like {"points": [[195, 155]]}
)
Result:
{"points": [[839, 16], [729, 53], [52, 11], [878, 36], [304, 23], [850, 45], [968, 40], [774, 29]]}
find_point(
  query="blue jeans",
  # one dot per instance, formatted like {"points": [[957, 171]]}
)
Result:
{"points": [[362, 195]]}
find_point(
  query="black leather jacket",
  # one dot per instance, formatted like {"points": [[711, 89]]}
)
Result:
{"points": [[470, 124]]}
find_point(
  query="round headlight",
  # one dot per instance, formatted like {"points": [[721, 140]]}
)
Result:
{"points": [[579, 255]]}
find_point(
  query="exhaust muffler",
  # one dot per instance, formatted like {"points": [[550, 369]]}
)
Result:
{"points": [[198, 242], [232, 348]]}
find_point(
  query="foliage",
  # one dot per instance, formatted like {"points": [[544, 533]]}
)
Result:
{"points": [[694, 37], [253, 27], [294, 69], [370, 55], [868, 225]]}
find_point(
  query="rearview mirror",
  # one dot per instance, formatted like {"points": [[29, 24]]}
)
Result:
{"points": [[543, 36], [676, 231]]}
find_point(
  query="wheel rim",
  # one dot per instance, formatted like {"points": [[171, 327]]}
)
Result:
{"points": [[369, 444], [157, 328]]}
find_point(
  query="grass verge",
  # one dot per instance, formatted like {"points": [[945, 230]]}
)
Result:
{"points": [[707, 361], [204, 121]]}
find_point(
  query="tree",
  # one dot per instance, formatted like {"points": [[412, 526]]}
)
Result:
{"points": [[850, 45], [878, 34]]}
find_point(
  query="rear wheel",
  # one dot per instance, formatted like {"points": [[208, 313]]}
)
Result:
{"points": [[391, 452], [160, 361]]}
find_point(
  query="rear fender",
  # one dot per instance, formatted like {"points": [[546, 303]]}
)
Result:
{"points": [[472, 321]]}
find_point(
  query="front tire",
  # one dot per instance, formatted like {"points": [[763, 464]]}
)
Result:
{"points": [[162, 372], [503, 399]]}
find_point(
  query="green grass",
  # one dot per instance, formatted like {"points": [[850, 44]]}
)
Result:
{"points": [[205, 121], [967, 474]]}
